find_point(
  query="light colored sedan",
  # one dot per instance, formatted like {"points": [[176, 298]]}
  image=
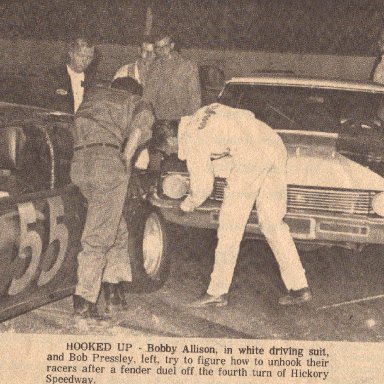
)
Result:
{"points": [[335, 141]]}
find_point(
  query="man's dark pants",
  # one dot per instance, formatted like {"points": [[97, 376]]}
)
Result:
{"points": [[102, 178]]}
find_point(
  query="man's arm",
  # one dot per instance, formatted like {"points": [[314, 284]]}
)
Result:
{"points": [[140, 133], [193, 90], [201, 177], [150, 89]]}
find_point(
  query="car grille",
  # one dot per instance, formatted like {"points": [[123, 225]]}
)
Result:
{"points": [[358, 202]]}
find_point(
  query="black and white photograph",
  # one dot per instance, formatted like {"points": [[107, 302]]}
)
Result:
{"points": [[205, 170]]}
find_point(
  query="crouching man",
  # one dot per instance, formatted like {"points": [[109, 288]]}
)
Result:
{"points": [[107, 118], [257, 174]]}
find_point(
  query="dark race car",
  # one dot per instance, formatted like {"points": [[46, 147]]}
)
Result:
{"points": [[42, 214]]}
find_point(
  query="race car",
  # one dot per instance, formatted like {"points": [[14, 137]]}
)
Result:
{"points": [[42, 213], [334, 134]]}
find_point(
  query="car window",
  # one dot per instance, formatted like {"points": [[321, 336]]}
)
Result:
{"points": [[300, 108], [230, 95]]}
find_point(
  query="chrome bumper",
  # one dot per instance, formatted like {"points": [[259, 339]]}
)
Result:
{"points": [[310, 225]]}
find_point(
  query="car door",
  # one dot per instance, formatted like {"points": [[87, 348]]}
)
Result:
{"points": [[41, 213], [39, 241]]}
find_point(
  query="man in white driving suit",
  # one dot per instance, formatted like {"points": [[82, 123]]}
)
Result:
{"points": [[257, 174]]}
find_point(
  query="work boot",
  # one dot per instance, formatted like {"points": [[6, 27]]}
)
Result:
{"points": [[207, 300], [295, 297], [112, 299], [121, 294], [85, 309]]}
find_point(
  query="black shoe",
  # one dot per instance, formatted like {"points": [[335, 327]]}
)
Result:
{"points": [[121, 294], [295, 297], [114, 297], [111, 297], [207, 300], [85, 309]]}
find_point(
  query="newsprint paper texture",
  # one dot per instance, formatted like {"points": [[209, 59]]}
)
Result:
{"points": [[105, 360], [125, 359]]}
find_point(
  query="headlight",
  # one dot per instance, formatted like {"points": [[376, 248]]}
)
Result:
{"points": [[175, 186], [378, 204]]}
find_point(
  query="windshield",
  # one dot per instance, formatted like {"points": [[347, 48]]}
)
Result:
{"points": [[299, 108]]}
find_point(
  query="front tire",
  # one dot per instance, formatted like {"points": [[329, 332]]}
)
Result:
{"points": [[148, 248]]}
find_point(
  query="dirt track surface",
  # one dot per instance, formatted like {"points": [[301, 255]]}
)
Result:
{"points": [[348, 300]]}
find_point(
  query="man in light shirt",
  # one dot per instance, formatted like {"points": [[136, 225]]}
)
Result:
{"points": [[138, 70], [173, 82], [257, 176]]}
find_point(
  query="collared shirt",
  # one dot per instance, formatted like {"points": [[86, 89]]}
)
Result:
{"points": [[109, 116], [77, 80], [173, 87], [137, 70], [128, 70]]}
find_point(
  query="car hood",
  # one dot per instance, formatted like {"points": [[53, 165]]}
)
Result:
{"points": [[11, 113], [335, 172], [314, 161]]}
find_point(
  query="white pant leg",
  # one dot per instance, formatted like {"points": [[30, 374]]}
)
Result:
{"points": [[239, 197], [118, 266], [271, 207]]}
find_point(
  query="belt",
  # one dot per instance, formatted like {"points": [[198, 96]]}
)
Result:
{"points": [[96, 145]]}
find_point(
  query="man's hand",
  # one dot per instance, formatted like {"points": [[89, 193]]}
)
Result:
{"points": [[131, 146], [187, 205]]}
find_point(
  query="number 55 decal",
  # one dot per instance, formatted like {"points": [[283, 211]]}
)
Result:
{"points": [[57, 233], [31, 243]]}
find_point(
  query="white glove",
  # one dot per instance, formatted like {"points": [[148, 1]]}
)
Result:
{"points": [[187, 205], [142, 161]]}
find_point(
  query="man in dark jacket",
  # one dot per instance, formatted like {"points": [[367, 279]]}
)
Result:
{"points": [[101, 166], [68, 82]]}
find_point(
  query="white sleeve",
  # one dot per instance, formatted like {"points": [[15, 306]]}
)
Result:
{"points": [[182, 136], [142, 161], [200, 171], [121, 72]]}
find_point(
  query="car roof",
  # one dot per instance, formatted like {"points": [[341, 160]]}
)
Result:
{"points": [[309, 82]]}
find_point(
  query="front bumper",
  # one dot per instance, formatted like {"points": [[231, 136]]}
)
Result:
{"points": [[307, 226]]}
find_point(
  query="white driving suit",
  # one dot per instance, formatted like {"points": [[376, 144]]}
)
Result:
{"points": [[257, 174]]}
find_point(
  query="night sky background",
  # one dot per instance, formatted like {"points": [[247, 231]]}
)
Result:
{"points": [[297, 26]]}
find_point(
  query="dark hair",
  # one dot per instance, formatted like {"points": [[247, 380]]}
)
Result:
{"points": [[128, 84], [160, 35], [79, 43], [161, 131]]}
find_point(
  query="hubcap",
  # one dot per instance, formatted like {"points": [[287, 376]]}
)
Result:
{"points": [[153, 243]]}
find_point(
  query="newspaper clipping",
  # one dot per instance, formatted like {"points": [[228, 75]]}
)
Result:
{"points": [[191, 192]]}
